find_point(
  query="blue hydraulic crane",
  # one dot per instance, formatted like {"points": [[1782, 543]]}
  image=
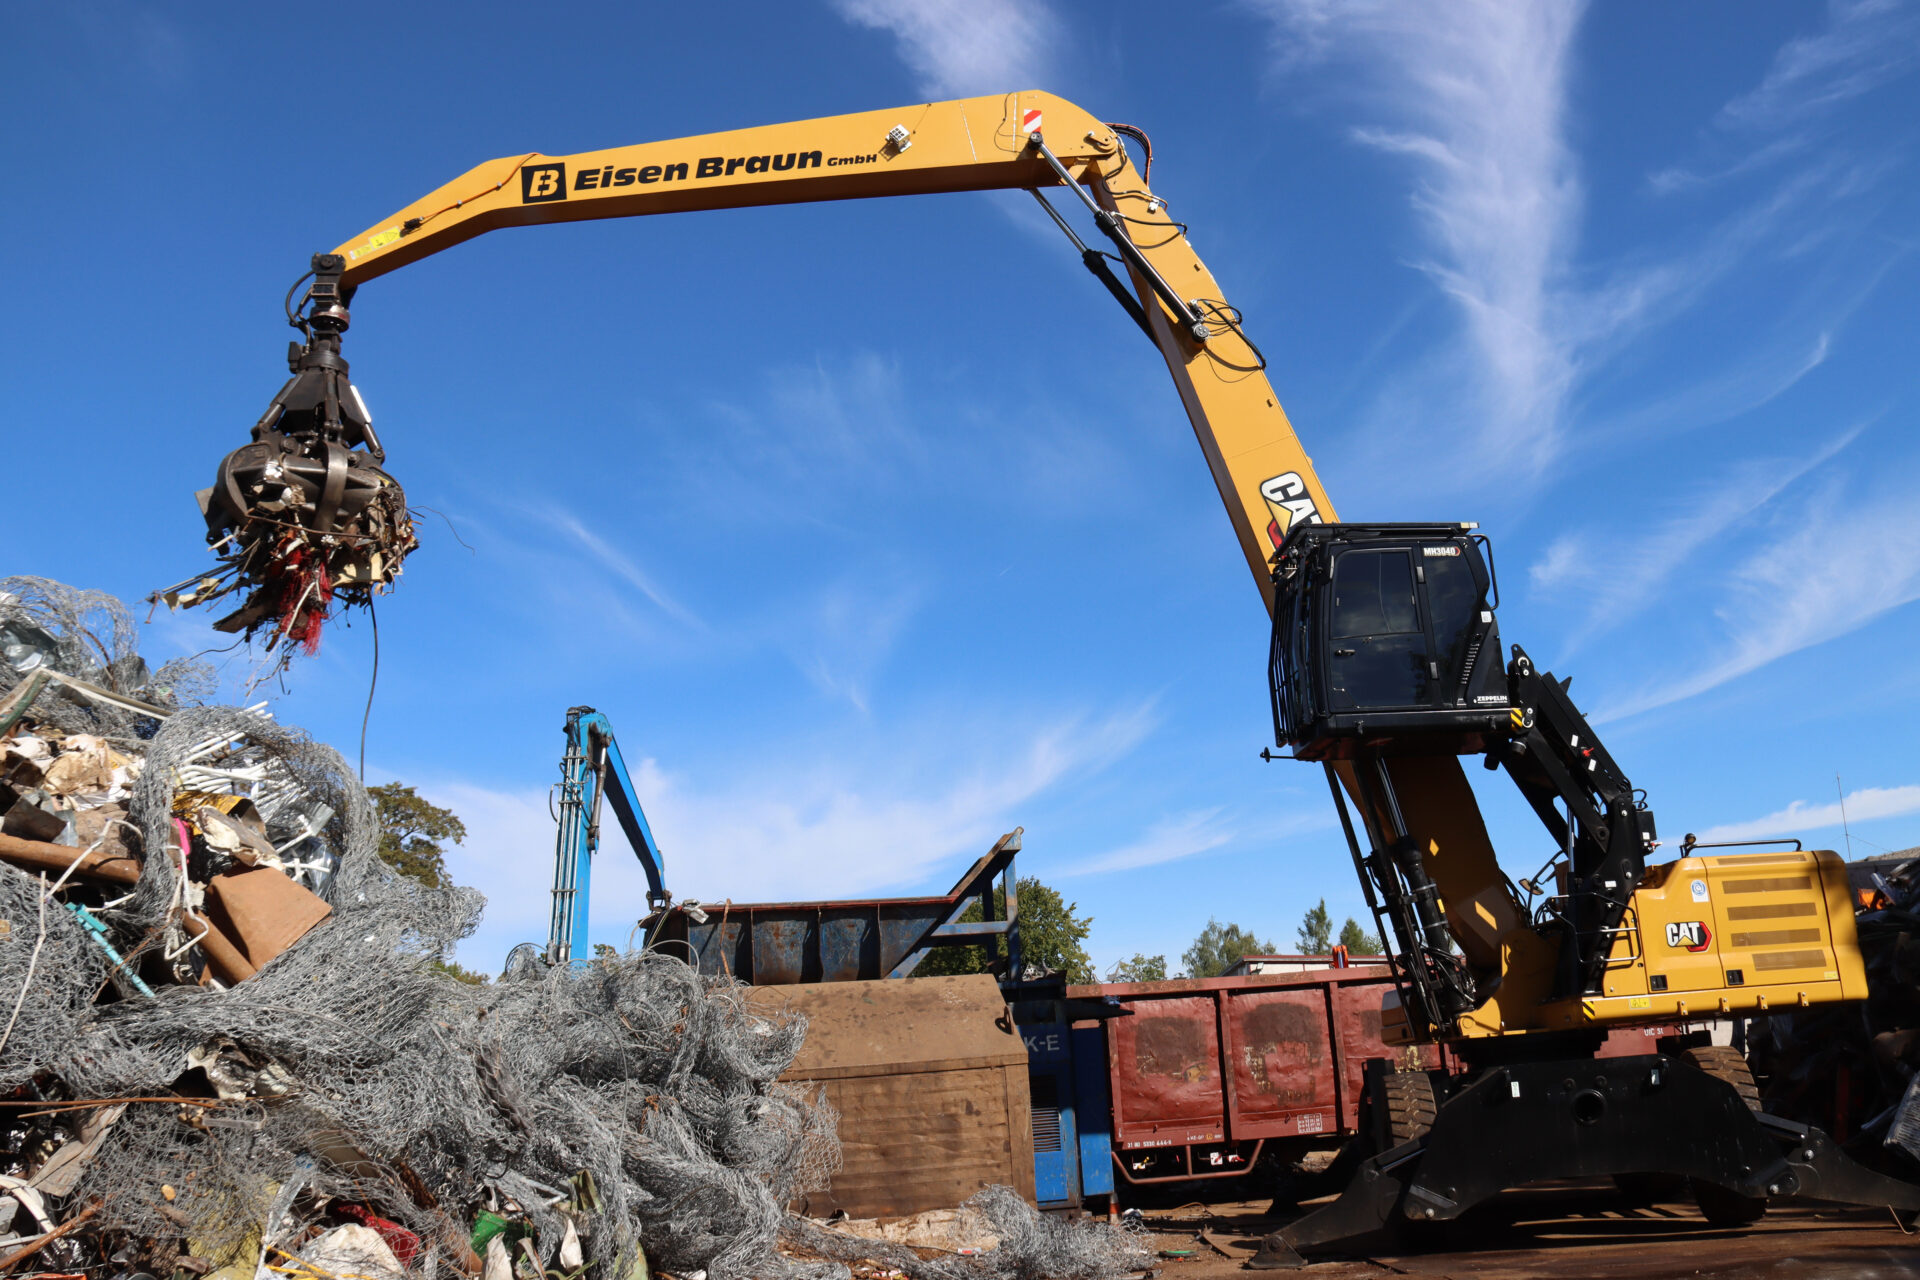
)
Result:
{"points": [[591, 770]]}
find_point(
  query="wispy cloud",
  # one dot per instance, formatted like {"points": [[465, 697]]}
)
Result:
{"points": [[1475, 98], [621, 565], [1844, 560], [1863, 805], [1680, 178], [1861, 45], [1764, 376], [1474, 94], [801, 825], [965, 47], [1168, 840], [1864, 44], [842, 637], [1623, 577]]}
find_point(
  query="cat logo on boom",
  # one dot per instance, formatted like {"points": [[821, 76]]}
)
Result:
{"points": [[1288, 503], [1691, 934]]}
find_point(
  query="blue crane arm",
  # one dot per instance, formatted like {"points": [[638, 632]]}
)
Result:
{"points": [[593, 769], [619, 789]]}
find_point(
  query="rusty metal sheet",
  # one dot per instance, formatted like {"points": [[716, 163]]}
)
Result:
{"points": [[930, 1079], [901, 927], [1628, 1042], [1295, 1046], [1357, 1019], [1284, 1069], [1165, 1066], [780, 949], [849, 944]]}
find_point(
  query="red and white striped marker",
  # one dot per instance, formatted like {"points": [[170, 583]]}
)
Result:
{"points": [[1030, 120]]}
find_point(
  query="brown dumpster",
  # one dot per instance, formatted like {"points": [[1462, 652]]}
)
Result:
{"points": [[930, 1079], [1206, 1071]]}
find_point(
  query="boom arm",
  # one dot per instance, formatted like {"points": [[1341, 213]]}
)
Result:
{"points": [[975, 144]]}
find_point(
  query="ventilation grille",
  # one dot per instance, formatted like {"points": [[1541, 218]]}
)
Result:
{"points": [[1046, 1113]]}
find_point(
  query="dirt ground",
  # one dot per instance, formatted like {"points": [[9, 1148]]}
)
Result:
{"points": [[1567, 1233]]}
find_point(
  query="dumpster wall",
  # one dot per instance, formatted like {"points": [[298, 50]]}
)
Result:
{"points": [[930, 1080]]}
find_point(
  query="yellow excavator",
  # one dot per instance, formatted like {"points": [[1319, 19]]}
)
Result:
{"points": [[1386, 670]]}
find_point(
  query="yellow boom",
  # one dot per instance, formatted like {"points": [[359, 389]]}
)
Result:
{"points": [[974, 144]]}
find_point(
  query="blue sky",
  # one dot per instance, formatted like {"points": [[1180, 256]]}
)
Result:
{"points": [[876, 529]]}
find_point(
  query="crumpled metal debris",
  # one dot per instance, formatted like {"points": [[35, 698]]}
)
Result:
{"points": [[1854, 1070]]}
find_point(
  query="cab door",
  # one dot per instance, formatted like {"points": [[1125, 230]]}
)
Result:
{"points": [[1377, 646]]}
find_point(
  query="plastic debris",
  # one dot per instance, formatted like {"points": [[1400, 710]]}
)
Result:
{"points": [[351, 1252]]}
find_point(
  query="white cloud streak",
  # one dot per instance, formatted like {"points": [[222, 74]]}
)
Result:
{"points": [[1168, 840], [845, 634], [958, 48], [1766, 375], [622, 566], [1864, 44], [1624, 577], [1476, 95], [1843, 562], [1864, 805]]}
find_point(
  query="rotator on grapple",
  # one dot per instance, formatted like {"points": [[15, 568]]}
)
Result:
{"points": [[1384, 660]]}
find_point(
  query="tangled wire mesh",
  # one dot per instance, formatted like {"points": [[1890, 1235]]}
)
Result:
{"points": [[627, 1105]]}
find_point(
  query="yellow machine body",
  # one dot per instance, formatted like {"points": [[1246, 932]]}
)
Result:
{"points": [[1744, 933], [1704, 938]]}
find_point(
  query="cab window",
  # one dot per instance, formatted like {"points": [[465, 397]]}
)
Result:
{"points": [[1373, 594]]}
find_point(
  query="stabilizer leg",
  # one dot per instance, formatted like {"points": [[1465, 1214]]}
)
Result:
{"points": [[1369, 1206], [1585, 1118], [1822, 1171]]}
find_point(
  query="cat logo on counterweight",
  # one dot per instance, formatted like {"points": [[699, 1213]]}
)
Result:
{"points": [[1691, 934]]}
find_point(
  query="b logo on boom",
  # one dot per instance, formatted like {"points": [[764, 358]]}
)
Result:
{"points": [[540, 182]]}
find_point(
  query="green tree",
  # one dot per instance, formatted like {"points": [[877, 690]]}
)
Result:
{"points": [[412, 830], [1316, 931], [458, 974], [1139, 968], [601, 951], [1218, 947], [1052, 937], [1358, 941]]}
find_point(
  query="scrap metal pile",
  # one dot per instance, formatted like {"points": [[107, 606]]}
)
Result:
{"points": [[1855, 1069], [227, 1044]]}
